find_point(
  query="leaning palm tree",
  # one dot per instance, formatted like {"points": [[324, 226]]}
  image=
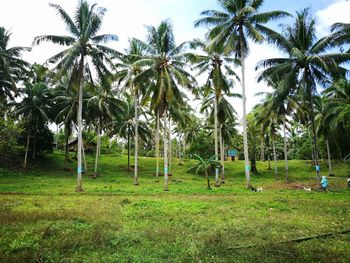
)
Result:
{"points": [[217, 66], [12, 67], [165, 71], [83, 43], [307, 64], [231, 28]]}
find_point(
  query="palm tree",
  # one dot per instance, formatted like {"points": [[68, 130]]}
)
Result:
{"points": [[204, 165], [126, 74], [231, 29], [34, 108], [340, 34], [102, 107], [306, 66], [12, 67], [213, 63], [83, 43], [164, 72]]}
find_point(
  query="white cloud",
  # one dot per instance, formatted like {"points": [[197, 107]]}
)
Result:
{"points": [[339, 11]]}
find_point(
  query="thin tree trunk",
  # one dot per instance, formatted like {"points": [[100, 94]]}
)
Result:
{"points": [[207, 178], [312, 115], [339, 151], [128, 152], [136, 182], [329, 158], [222, 156], [170, 146], [80, 126], [34, 148], [26, 153], [285, 146], [166, 188], [262, 150], [217, 182], [274, 156], [157, 145], [180, 153], [98, 133], [66, 156], [244, 100], [84, 158]]}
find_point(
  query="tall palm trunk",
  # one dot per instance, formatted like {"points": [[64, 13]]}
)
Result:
{"points": [[244, 99], [329, 158], [98, 133], [66, 156], [217, 182], [285, 146], [128, 151], [222, 156], [274, 156], [314, 139], [26, 153], [166, 188], [136, 182], [34, 148], [170, 149], [80, 126], [84, 157], [262, 150], [157, 145]]}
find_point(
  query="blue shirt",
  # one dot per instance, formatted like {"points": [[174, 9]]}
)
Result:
{"points": [[324, 183]]}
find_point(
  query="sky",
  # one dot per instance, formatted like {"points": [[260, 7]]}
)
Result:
{"points": [[26, 19]]}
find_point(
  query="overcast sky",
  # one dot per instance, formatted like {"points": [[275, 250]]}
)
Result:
{"points": [[29, 18]]}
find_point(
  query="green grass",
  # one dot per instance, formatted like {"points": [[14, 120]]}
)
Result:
{"points": [[44, 220]]}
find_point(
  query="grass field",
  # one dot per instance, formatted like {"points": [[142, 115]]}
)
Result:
{"points": [[44, 220]]}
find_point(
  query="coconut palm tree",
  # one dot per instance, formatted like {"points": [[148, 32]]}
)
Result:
{"points": [[127, 71], [83, 45], [102, 108], [165, 71], [217, 66], [307, 64], [340, 34], [231, 28], [12, 67], [34, 109]]}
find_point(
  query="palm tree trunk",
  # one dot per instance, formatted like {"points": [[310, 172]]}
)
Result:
{"points": [[222, 156], [170, 149], [244, 100], [26, 153], [262, 150], [84, 157], [166, 188], [157, 145], [285, 146], [274, 156], [136, 182], [314, 139], [128, 151], [217, 182], [329, 158], [66, 156], [207, 178], [98, 133], [34, 148], [80, 125], [179, 147]]}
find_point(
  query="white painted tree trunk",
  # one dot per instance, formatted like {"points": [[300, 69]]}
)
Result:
{"points": [[245, 136], [80, 125], [98, 140], [329, 158], [26, 153], [274, 156], [217, 182], [157, 145], [166, 179], [136, 182], [285, 146]]}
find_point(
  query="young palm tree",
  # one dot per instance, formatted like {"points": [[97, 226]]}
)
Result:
{"points": [[12, 67], [83, 43], [307, 64], [214, 63], [231, 28], [165, 72]]}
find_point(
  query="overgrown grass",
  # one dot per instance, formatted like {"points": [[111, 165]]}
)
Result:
{"points": [[44, 220]]}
